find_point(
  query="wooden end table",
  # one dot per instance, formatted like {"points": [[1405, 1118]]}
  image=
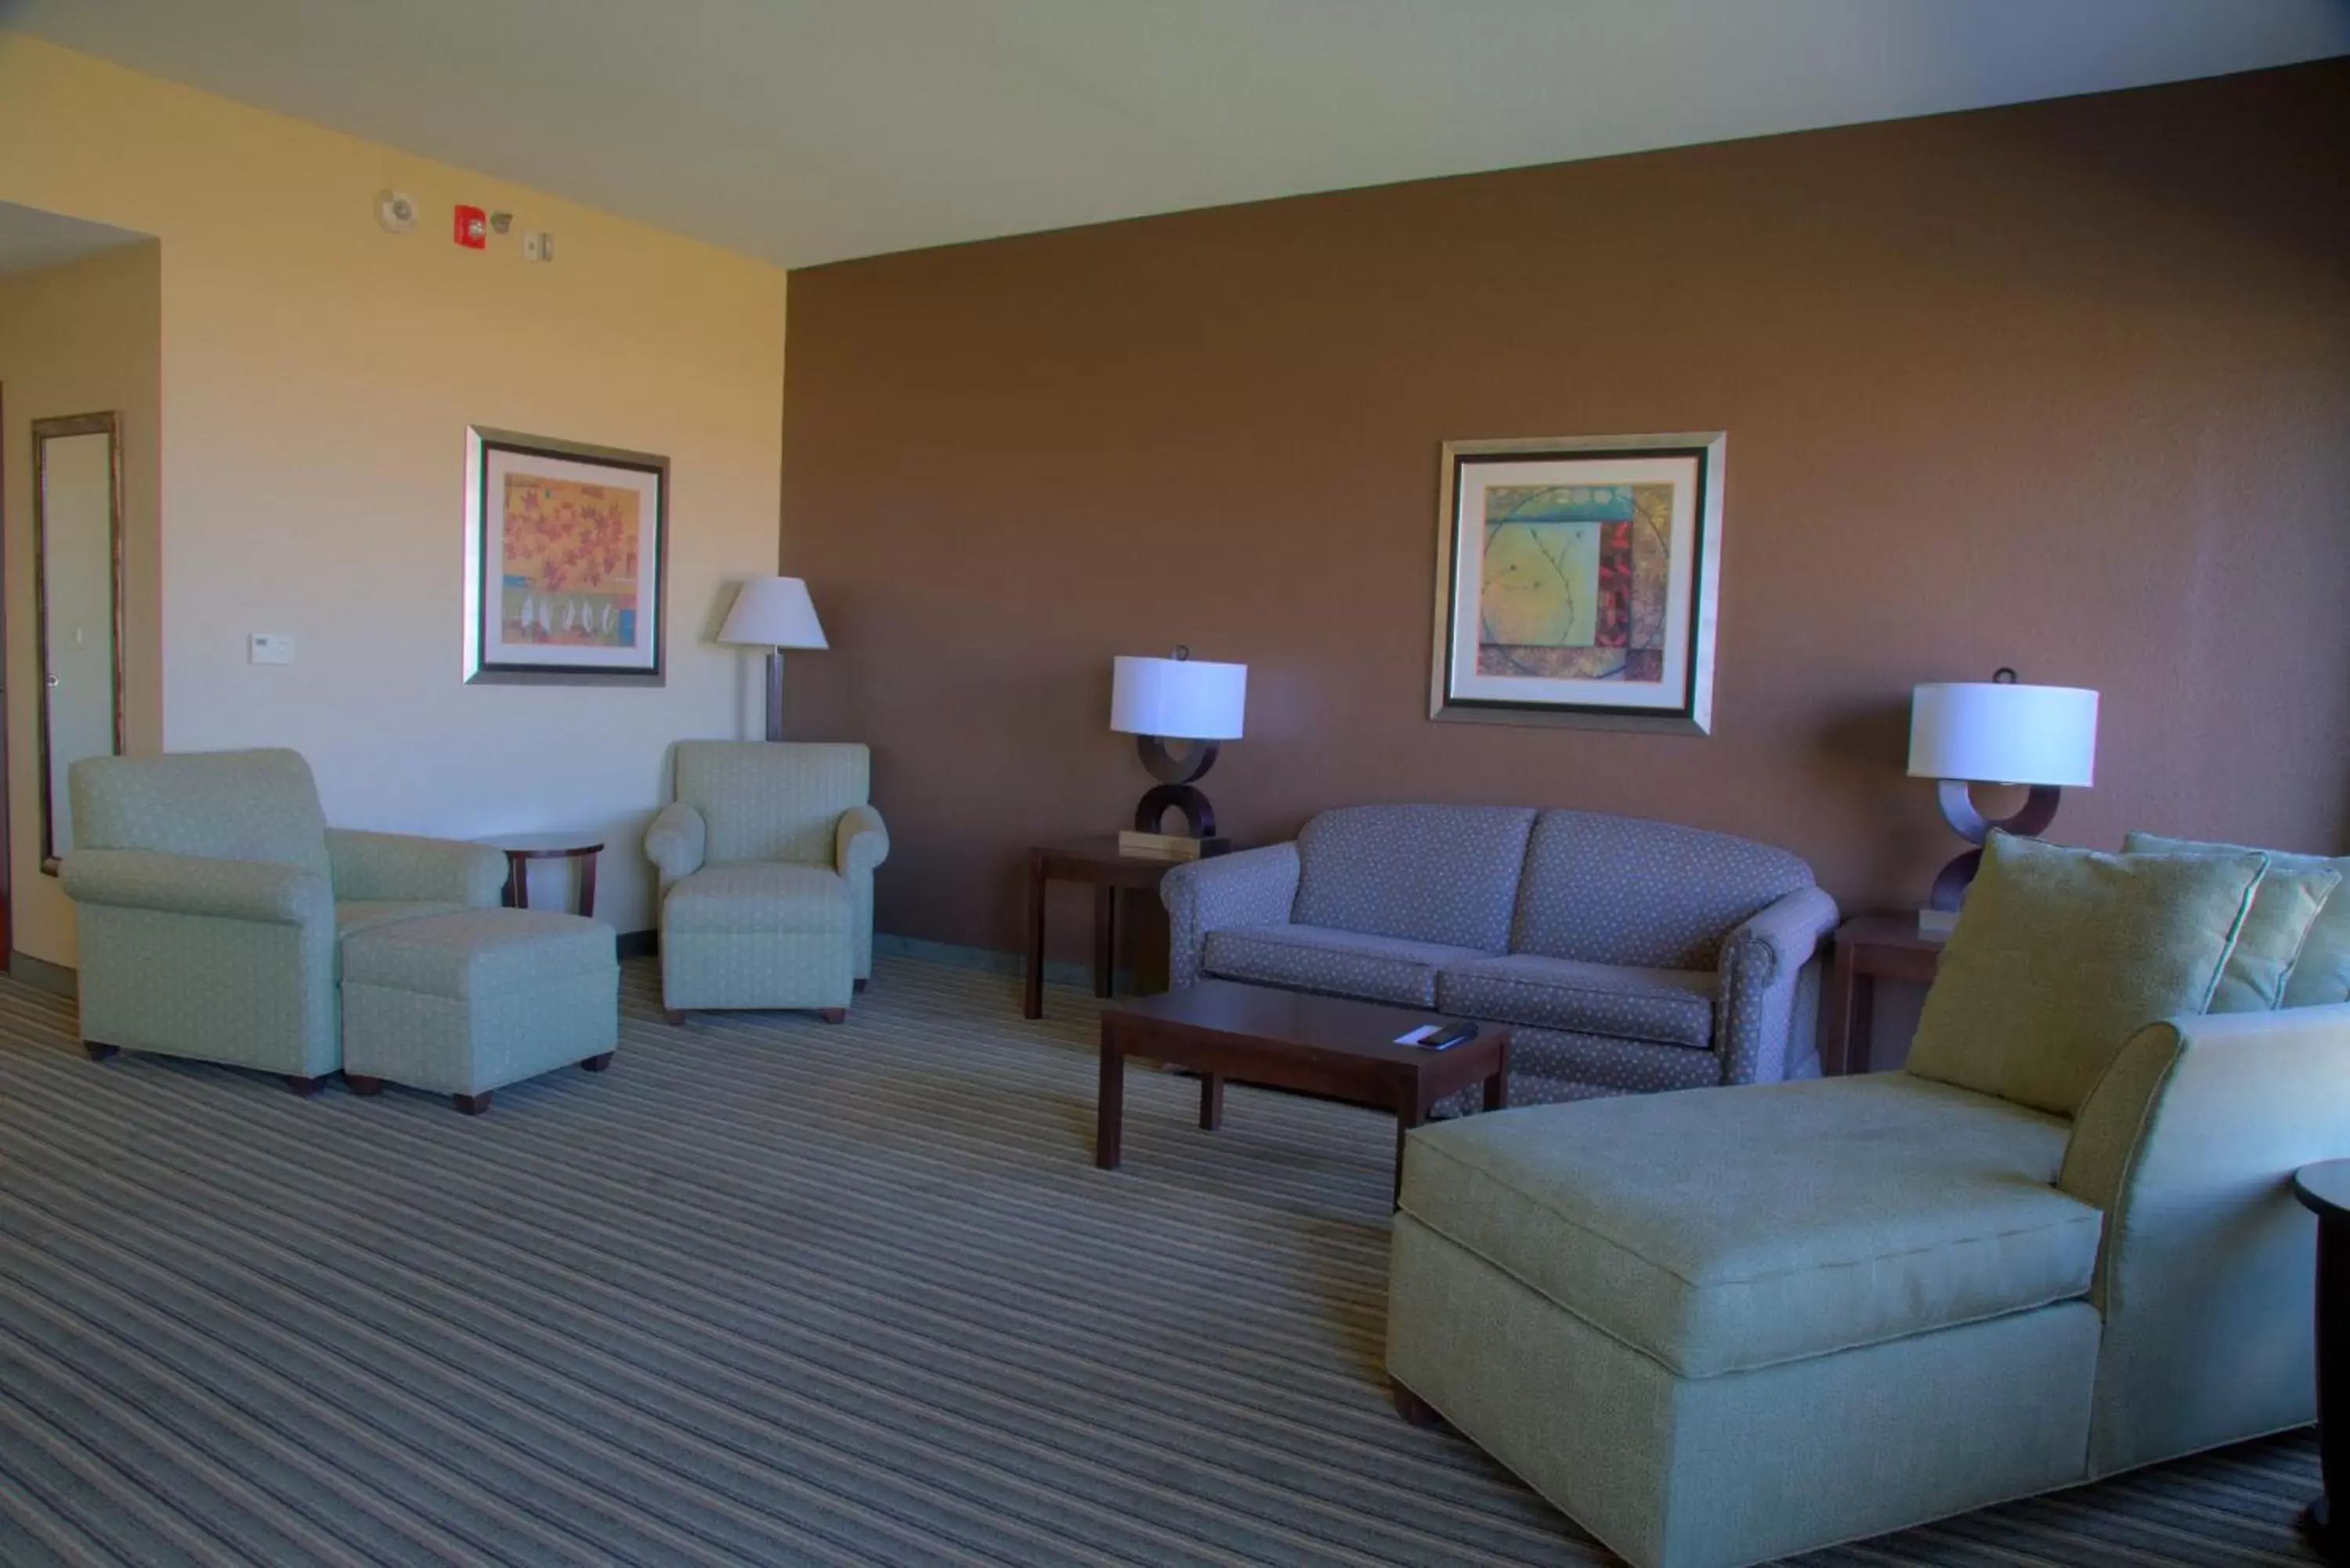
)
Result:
{"points": [[522, 848], [1097, 861], [2324, 1191], [1287, 1040], [1881, 942]]}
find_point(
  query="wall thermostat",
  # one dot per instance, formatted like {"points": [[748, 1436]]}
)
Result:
{"points": [[396, 211]]}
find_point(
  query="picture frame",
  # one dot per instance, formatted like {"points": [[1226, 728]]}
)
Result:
{"points": [[1577, 582], [566, 562]]}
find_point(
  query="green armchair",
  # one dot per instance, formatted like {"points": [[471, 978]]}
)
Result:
{"points": [[767, 860], [211, 899]]}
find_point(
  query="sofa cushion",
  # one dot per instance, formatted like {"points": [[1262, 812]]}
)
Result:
{"points": [[1623, 889], [2061, 955], [2315, 952], [759, 897], [1671, 1007], [1418, 873], [1341, 963], [1732, 1227]]}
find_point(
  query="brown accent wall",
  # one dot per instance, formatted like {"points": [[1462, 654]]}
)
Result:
{"points": [[2064, 387]]}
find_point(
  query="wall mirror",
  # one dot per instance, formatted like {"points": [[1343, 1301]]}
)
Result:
{"points": [[78, 594]]}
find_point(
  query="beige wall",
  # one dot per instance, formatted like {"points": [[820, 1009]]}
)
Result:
{"points": [[79, 339], [319, 377]]}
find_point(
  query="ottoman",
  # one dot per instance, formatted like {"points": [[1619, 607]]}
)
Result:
{"points": [[463, 1003]]}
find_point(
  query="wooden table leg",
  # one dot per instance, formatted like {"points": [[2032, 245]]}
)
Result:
{"points": [[588, 882], [1409, 1114], [1105, 937], [1033, 1005], [1851, 999], [517, 882], [1109, 1105], [1211, 1101], [1497, 1088], [2332, 1383]]}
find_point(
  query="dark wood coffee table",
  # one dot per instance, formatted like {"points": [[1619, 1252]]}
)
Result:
{"points": [[1287, 1040]]}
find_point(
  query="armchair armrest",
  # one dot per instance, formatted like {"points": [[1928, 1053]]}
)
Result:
{"points": [[408, 865], [860, 842], [1253, 888], [1756, 1013], [2188, 1143], [263, 891], [676, 840]]}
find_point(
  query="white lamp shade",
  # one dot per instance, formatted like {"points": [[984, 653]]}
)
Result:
{"points": [[1178, 699], [773, 612], [1992, 732]]}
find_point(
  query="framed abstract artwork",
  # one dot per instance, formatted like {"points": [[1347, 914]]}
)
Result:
{"points": [[1576, 582], [566, 551]]}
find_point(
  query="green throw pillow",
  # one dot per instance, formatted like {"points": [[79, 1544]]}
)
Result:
{"points": [[2295, 893], [2321, 972], [2061, 955]]}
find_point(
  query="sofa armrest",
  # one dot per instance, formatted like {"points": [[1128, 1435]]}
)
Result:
{"points": [[2188, 1143], [674, 842], [264, 891], [1755, 1006], [410, 866], [1253, 888], [860, 842]]}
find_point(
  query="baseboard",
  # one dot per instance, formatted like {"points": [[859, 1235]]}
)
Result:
{"points": [[1056, 972], [43, 975]]}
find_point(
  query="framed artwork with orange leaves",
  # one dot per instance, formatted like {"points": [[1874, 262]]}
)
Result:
{"points": [[1578, 578], [565, 548]]}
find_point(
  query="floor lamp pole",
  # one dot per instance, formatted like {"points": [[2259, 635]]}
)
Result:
{"points": [[774, 694]]}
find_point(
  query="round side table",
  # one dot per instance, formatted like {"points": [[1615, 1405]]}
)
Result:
{"points": [[522, 848], [2324, 1190]]}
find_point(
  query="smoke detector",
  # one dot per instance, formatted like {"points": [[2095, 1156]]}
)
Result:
{"points": [[396, 211]]}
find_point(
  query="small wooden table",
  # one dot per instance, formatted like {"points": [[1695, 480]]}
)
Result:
{"points": [[2324, 1191], [1881, 942], [522, 848], [1095, 860], [1287, 1040]]}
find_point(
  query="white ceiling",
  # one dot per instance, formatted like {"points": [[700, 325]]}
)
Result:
{"points": [[31, 239], [811, 130]]}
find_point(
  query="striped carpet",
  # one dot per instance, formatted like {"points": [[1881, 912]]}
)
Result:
{"points": [[774, 1292]]}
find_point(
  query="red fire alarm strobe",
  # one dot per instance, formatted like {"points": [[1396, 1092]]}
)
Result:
{"points": [[472, 228]]}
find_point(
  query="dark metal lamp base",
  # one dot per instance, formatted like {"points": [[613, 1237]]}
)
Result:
{"points": [[2030, 820], [1176, 789]]}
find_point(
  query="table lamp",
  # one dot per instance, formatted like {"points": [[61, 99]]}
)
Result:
{"points": [[1178, 699], [1996, 732], [773, 613]]}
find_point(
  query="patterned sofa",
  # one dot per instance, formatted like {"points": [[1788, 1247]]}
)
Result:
{"points": [[1627, 955]]}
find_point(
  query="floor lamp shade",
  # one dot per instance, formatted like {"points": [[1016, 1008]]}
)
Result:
{"points": [[773, 613]]}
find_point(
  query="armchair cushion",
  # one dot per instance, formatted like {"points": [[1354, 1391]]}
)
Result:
{"points": [[2062, 954], [264, 891], [1340, 964], [1668, 1007], [354, 915], [259, 805], [376, 866], [2289, 956], [758, 898], [1733, 1227], [764, 801]]}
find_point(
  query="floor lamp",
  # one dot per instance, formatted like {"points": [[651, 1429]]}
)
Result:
{"points": [[773, 613]]}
